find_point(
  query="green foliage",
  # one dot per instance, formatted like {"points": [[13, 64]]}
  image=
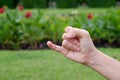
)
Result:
{"points": [[105, 26], [81, 1], [28, 4], [66, 3], [16, 30], [40, 3], [56, 28], [101, 3], [34, 3], [9, 3]]}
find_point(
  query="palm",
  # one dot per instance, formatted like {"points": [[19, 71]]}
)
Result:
{"points": [[85, 45], [76, 56]]}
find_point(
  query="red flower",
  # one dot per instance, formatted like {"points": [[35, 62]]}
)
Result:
{"points": [[20, 7], [28, 14], [2, 10], [90, 16]]}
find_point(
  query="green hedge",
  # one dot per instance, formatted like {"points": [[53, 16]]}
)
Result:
{"points": [[66, 3], [9, 3], [101, 3], [81, 1], [17, 31], [34, 3]]}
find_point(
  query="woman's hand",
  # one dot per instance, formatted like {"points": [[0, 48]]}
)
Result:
{"points": [[77, 45]]}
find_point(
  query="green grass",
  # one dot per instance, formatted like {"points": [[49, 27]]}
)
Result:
{"points": [[46, 65], [79, 10]]}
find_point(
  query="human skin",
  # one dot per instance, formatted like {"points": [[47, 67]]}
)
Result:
{"points": [[77, 45]]}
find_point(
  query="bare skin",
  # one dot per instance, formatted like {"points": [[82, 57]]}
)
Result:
{"points": [[75, 48], [78, 46]]}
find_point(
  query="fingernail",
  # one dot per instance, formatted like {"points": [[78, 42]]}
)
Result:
{"points": [[68, 29]]}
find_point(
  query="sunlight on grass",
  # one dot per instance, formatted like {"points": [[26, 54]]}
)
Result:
{"points": [[46, 65], [79, 10]]}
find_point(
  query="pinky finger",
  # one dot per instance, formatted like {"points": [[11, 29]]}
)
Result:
{"points": [[53, 46], [57, 48]]}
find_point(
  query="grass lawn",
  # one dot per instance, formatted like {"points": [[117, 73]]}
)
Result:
{"points": [[46, 65], [79, 10]]}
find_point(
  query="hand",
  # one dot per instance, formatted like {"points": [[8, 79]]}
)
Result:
{"points": [[77, 45]]}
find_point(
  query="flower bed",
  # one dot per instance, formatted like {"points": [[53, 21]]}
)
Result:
{"points": [[21, 29]]}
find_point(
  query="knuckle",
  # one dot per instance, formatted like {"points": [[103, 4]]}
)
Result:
{"points": [[63, 36], [64, 42], [85, 32], [72, 47]]}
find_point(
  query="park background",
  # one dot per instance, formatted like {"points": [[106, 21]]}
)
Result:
{"points": [[26, 26]]}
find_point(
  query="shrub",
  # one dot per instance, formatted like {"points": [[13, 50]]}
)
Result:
{"points": [[9, 3], [34, 4], [81, 1], [66, 3], [28, 29], [16, 29], [101, 3], [105, 28]]}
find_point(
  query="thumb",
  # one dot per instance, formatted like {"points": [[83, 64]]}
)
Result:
{"points": [[75, 32], [70, 33]]}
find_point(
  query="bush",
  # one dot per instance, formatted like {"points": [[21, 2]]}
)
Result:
{"points": [[27, 4], [104, 28], [17, 29], [66, 3], [81, 1], [40, 3], [101, 3], [34, 4], [9, 3], [21, 29]]}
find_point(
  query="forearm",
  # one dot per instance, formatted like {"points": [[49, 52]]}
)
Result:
{"points": [[105, 65]]}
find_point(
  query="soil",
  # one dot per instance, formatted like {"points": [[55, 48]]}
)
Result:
{"points": [[43, 45]]}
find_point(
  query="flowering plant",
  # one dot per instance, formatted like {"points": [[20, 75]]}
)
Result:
{"points": [[2, 10], [28, 29]]}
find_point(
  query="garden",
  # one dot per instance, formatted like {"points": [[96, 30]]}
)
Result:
{"points": [[25, 29]]}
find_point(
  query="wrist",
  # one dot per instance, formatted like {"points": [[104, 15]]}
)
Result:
{"points": [[92, 57], [104, 64]]}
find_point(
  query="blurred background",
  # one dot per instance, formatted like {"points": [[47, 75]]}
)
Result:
{"points": [[60, 3], [29, 24], [26, 26]]}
